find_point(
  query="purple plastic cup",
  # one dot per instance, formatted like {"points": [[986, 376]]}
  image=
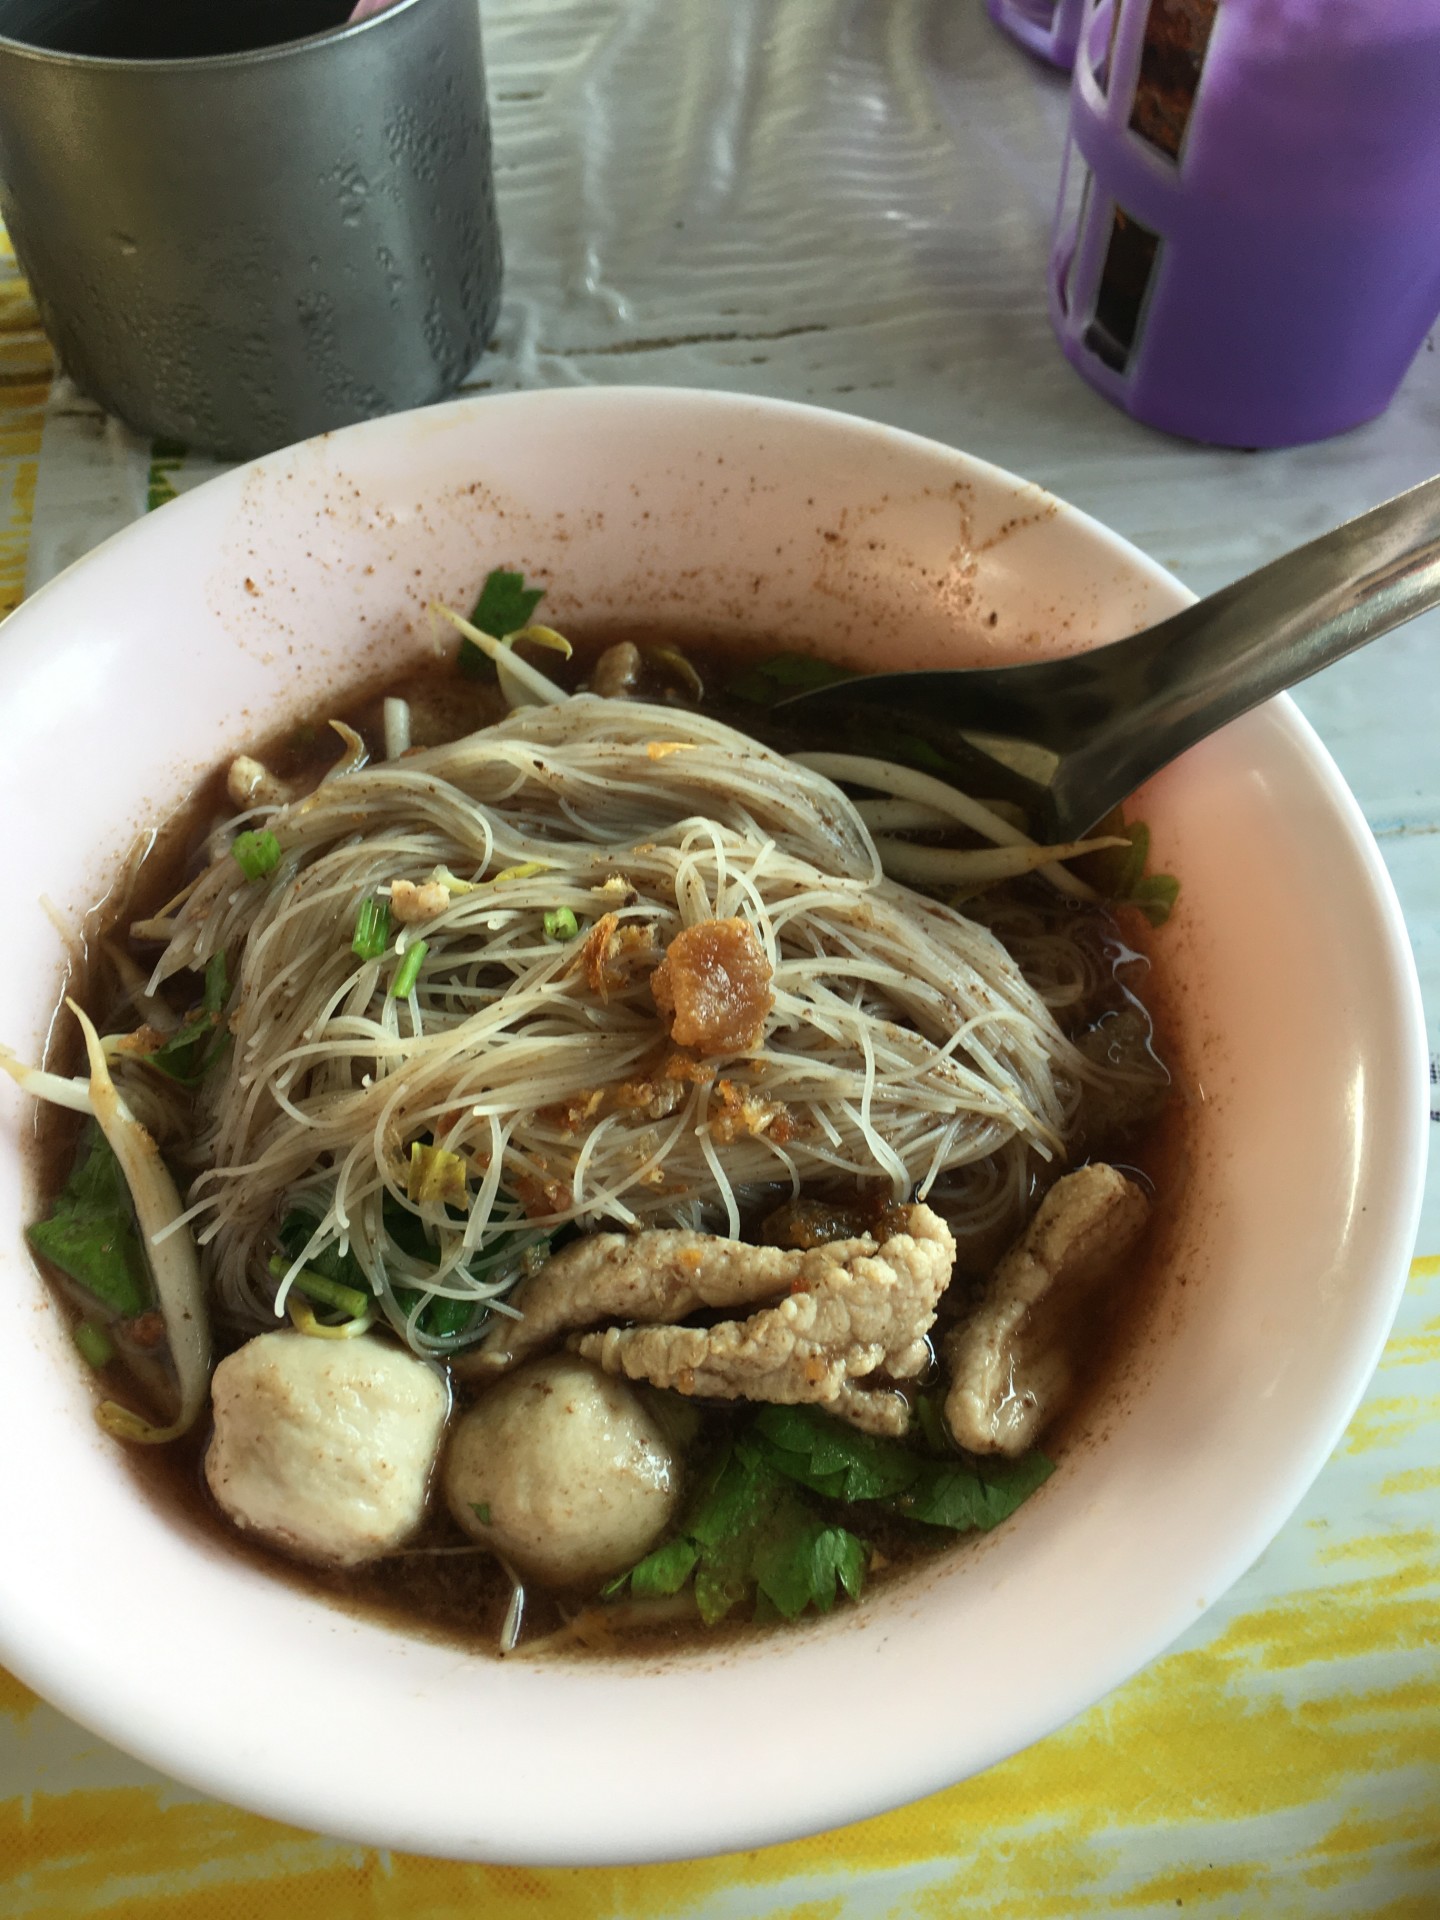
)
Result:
{"points": [[1247, 247], [1049, 28]]}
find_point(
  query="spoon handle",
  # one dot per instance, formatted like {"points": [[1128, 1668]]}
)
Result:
{"points": [[1215, 660]]}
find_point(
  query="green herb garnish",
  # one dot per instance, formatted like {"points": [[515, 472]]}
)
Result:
{"points": [[189, 1054], [96, 1347], [561, 924], [948, 1494], [781, 675], [325, 1292], [217, 985], [505, 605], [481, 1511], [749, 1535], [834, 1459], [256, 853], [91, 1234], [755, 1532], [839, 1461], [408, 971], [929, 1423], [329, 1261], [442, 1317], [666, 1570], [1155, 895], [372, 928], [1119, 872]]}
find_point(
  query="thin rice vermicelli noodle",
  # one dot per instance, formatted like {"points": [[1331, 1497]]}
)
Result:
{"points": [[903, 1041]]}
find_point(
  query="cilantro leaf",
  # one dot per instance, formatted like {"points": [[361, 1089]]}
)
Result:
{"points": [[832, 1458], [947, 1494], [753, 1532], [770, 680], [505, 605], [934, 1486], [807, 1564], [749, 1535], [91, 1234], [665, 1570]]}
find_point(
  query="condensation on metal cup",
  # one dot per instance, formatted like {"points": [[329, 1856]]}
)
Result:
{"points": [[240, 250]]}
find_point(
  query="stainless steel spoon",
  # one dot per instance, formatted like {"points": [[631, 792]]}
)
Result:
{"points": [[1070, 739]]}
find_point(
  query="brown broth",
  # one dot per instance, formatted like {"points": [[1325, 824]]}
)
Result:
{"points": [[442, 1585]]}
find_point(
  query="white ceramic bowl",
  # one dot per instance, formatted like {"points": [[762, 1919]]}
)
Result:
{"points": [[189, 635]]}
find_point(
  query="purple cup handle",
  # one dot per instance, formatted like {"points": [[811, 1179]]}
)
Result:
{"points": [[1047, 28]]}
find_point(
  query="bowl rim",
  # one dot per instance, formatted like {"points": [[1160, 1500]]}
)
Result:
{"points": [[811, 1808]]}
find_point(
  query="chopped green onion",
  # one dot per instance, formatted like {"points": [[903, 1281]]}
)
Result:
{"points": [[372, 928], [481, 1511], [329, 1293], [95, 1344], [561, 924], [256, 854], [408, 972]]}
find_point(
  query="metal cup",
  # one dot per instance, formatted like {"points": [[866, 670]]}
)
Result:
{"points": [[238, 248]]}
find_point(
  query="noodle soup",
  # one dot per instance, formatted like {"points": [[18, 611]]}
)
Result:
{"points": [[632, 1180]]}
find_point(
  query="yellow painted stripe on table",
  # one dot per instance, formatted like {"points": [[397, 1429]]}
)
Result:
{"points": [[26, 366], [16, 1699], [1169, 1793], [1190, 1746]]}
